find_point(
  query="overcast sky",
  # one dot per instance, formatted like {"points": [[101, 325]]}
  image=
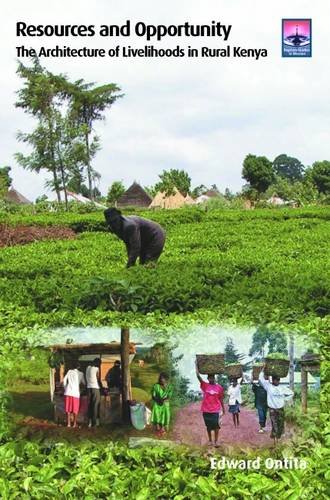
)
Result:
{"points": [[203, 115]]}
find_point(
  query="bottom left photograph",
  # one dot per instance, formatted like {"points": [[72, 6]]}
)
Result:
{"points": [[77, 384]]}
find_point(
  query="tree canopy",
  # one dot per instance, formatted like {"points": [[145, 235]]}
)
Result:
{"points": [[5, 180], [288, 167], [258, 172], [264, 338], [171, 179], [63, 141], [115, 191], [231, 353], [320, 175]]}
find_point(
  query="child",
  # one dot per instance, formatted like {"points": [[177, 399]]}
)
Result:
{"points": [[235, 399], [211, 405], [161, 412], [276, 397]]}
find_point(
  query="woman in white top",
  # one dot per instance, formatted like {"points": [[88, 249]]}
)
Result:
{"points": [[71, 382], [276, 398]]}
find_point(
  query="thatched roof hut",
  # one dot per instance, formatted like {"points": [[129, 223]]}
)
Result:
{"points": [[189, 200], [14, 196], [162, 200], [135, 196]]}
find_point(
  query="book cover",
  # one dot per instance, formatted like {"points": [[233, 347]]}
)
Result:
{"points": [[164, 262]]}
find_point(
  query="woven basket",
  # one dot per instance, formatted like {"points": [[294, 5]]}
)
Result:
{"points": [[234, 371], [279, 367], [210, 363], [256, 370]]}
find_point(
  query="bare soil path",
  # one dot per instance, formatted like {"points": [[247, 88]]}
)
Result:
{"points": [[189, 428], [21, 235]]}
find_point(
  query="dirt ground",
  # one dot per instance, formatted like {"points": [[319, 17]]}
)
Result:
{"points": [[20, 235], [33, 428], [189, 428], [33, 415]]}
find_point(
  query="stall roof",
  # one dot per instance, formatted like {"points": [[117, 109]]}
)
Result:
{"points": [[104, 348]]}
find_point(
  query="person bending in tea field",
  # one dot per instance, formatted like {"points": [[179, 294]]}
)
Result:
{"points": [[161, 412], [72, 382], [144, 239], [260, 402], [235, 400], [276, 398], [212, 405]]}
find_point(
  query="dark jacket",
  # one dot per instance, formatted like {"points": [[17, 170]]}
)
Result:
{"points": [[260, 396], [113, 377], [143, 238]]}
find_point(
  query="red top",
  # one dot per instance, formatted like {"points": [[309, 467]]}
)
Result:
{"points": [[213, 395]]}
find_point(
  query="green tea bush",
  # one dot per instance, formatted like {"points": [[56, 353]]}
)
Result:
{"points": [[39, 469], [264, 269], [241, 267]]}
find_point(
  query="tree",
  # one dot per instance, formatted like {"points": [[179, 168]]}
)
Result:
{"points": [[320, 175], [70, 151], [288, 167], [115, 191], [41, 199], [231, 353], [258, 172], [88, 104], [171, 179], [5, 181], [63, 142], [61, 146], [198, 191], [298, 191], [41, 95], [229, 195], [264, 337], [77, 179]]}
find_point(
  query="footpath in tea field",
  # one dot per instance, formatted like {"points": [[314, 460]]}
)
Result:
{"points": [[189, 429]]}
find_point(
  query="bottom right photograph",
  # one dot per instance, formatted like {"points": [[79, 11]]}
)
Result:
{"points": [[246, 389]]}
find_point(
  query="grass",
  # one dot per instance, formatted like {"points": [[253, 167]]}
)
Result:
{"points": [[144, 378], [30, 400]]}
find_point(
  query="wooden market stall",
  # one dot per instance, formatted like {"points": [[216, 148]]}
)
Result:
{"points": [[114, 401]]}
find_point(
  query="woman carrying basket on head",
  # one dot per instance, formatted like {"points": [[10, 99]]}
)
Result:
{"points": [[276, 398], [212, 405]]}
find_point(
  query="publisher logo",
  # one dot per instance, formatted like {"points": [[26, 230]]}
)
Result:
{"points": [[296, 38]]}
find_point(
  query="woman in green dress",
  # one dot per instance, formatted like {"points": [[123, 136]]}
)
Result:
{"points": [[161, 412]]}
